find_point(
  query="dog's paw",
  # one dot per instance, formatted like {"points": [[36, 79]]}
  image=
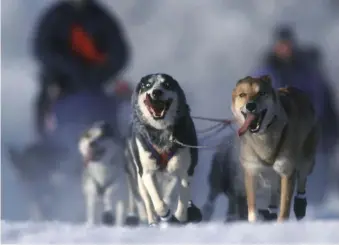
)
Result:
{"points": [[267, 215], [153, 225], [169, 218], [107, 219], [132, 221], [194, 214], [252, 217], [300, 205]]}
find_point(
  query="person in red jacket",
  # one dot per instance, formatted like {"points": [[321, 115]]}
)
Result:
{"points": [[78, 46]]}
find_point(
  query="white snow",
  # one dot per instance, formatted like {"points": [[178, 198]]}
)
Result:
{"points": [[316, 232]]}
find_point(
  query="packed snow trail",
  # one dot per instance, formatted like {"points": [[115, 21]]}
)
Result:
{"points": [[315, 232]]}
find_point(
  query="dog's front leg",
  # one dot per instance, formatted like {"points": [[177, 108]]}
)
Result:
{"points": [[108, 217], [168, 193], [287, 188], [184, 197], [285, 168], [251, 195], [91, 198], [147, 202], [149, 180]]}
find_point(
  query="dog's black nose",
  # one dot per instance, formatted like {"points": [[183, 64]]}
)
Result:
{"points": [[157, 93], [251, 106]]}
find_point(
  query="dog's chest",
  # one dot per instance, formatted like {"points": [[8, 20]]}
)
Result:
{"points": [[103, 173], [260, 150], [169, 161]]}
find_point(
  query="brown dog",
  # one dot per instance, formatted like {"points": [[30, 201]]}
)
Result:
{"points": [[278, 132]]}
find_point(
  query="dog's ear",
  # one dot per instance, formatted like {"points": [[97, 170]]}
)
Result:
{"points": [[245, 79], [267, 79]]}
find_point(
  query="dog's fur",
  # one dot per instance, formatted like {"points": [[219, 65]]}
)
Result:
{"points": [[226, 177], [152, 131], [103, 176], [136, 207], [278, 133]]}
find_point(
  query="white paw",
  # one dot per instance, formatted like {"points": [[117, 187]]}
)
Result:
{"points": [[89, 224], [252, 217]]}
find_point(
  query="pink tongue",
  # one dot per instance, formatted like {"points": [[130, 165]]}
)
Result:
{"points": [[249, 119]]}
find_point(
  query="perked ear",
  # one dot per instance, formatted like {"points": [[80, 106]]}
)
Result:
{"points": [[267, 79]]}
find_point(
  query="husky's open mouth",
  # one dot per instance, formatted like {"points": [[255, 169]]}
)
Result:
{"points": [[252, 122], [156, 107]]}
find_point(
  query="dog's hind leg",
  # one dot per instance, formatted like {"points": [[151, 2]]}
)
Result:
{"points": [[231, 214], [133, 194], [107, 199], [91, 198], [209, 206], [271, 213], [300, 200], [241, 207], [147, 202]]}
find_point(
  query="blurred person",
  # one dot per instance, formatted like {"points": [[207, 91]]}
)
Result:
{"points": [[291, 64], [78, 46]]}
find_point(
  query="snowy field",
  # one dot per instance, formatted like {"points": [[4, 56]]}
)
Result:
{"points": [[310, 232]]}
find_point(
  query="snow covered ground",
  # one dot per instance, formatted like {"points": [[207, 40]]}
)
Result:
{"points": [[310, 232]]}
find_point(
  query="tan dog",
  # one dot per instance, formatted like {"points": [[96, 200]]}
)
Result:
{"points": [[278, 132]]}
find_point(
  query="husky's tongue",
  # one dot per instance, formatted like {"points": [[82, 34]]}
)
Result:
{"points": [[249, 119]]}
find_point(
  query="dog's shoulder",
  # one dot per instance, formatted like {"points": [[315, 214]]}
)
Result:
{"points": [[185, 130], [295, 100]]}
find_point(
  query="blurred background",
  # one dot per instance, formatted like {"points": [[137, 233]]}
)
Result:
{"points": [[206, 45]]}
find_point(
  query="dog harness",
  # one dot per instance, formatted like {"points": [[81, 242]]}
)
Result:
{"points": [[161, 158]]}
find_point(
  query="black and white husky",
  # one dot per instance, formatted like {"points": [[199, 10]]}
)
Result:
{"points": [[161, 118], [104, 177]]}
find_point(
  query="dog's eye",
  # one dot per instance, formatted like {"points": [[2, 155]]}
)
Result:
{"points": [[262, 93], [241, 95], [166, 85], [146, 85]]}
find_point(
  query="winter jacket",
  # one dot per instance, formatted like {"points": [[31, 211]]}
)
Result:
{"points": [[84, 45], [304, 74]]}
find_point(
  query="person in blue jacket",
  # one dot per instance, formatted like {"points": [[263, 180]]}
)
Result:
{"points": [[78, 45], [290, 64]]}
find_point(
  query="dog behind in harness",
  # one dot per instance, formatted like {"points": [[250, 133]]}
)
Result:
{"points": [[104, 177]]}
